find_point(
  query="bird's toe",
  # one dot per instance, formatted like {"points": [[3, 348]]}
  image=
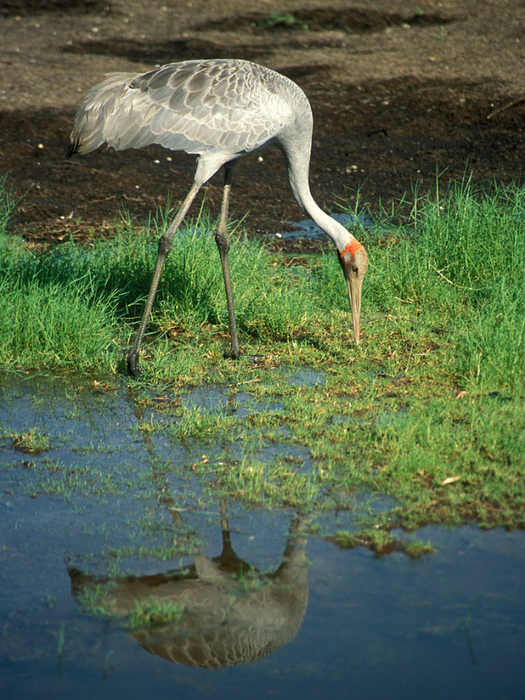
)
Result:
{"points": [[134, 367], [232, 354]]}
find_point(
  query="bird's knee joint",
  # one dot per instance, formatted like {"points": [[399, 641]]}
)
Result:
{"points": [[165, 246], [223, 241]]}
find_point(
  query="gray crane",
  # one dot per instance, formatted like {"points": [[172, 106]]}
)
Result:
{"points": [[219, 110]]}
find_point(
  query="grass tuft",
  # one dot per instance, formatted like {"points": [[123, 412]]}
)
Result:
{"points": [[152, 612]]}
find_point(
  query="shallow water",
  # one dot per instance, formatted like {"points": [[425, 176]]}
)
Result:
{"points": [[308, 229], [350, 624]]}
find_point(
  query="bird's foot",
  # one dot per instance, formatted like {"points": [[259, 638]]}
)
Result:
{"points": [[134, 367], [232, 354]]}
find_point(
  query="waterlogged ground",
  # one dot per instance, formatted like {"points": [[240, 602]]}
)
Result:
{"points": [[88, 491]]}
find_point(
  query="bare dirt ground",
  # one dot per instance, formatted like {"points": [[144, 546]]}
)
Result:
{"points": [[400, 90]]}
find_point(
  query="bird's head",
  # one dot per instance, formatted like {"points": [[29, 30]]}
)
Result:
{"points": [[354, 262]]}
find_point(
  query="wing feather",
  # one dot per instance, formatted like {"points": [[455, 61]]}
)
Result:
{"points": [[221, 107]]}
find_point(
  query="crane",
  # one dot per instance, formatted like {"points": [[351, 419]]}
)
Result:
{"points": [[218, 110]]}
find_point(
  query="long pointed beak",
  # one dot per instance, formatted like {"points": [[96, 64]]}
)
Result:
{"points": [[354, 267], [354, 285]]}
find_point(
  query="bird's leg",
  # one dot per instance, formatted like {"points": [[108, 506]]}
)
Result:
{"points": [[223, 244], [165, 246]]}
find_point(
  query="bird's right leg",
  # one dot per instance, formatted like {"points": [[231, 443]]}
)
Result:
{"points": [[223, 244], [165, 246]]}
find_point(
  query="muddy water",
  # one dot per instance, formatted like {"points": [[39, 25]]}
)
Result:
{"points": [[323, 622]]}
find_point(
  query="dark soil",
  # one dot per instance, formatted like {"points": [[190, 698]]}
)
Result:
{"points": [[399, 95]]}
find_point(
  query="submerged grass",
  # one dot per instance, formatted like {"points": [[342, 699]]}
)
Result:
{"points": [[428, 410], [154, 613], [32, 442]]}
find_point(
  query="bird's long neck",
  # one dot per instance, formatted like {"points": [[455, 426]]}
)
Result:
{"points": [[297, 162]]}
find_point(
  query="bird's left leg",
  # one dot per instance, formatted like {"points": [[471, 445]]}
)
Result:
{"points": [[165, 246], [223, 244]]}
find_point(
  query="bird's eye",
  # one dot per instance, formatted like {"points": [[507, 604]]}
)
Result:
{"points": [[355, 269]]}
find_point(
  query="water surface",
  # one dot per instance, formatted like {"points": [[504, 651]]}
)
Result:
{"points": [[351, 625]]}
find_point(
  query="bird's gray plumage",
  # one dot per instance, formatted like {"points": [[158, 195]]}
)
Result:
{"points": [[219, 110], [222, 107]]}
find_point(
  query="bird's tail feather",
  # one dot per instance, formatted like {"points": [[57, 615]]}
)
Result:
{"points": [[92, 116]]}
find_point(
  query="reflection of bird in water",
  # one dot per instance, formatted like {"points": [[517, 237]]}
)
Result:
{"points": [[223, 624], [219, 110]]}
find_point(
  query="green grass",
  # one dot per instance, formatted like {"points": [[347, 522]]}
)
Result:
{"points": [[31, 442], [75, 308], [453, 275], [283, 19], [428, 410], [382, 543], [154, 613]]}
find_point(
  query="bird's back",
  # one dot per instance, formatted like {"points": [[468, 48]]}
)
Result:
{"points": [[219, 108]]}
